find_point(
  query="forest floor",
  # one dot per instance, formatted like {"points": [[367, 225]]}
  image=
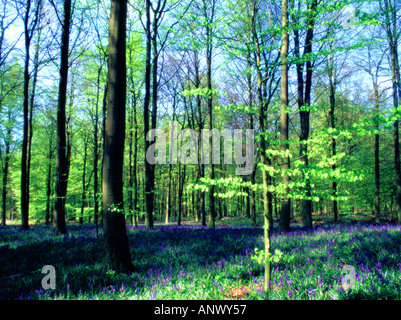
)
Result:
{"points": [[190, 262]]}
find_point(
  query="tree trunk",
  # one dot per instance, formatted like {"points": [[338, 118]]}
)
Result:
{"points": [[181, 179], [263, 158], [377, 159], [96, 154], [168, 195], [333, 142], [24, 156], [104, 112], [116, 247], [83, 199], [131, 174], [392, 37], [285, 202], [304, 102], [60, 226], [201, 166], [149, 169], [134, 169], [212, 213], [5, 172], [30, 117], [251, 194], [49, 178]]}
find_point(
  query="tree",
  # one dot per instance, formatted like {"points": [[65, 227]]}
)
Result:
{"points": [[285, 165], [29, 29], [60, 226], [135, 77], [155, 12], [372, 66], [304, 89], [116, 247], [8, 96], [209, 14], [390, 10], [206, 20], [149, 168]]}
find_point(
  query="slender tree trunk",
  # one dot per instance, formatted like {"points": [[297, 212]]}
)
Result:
{"points": [[263, 158], [81, 218], [134, 169], [104, 112], [392, 37], [201, 166], [60, 226], [377, 159], [96, 154], [333, 141], [251, 194], [130, 168], [24, 157], [181, 179], [212, 213], [285, 202], [304, 101], [116, 247], [149, 169], [130, 152], [49, 178], [155, 89], [5, 173], [30, 118], [168, 195]]}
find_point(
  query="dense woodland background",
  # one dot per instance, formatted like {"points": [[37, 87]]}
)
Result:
{"points": [[205, 64]]}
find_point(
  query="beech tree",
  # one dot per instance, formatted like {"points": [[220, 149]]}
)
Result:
{"points": [[391, 24], [285, 165], [61, 149], [30, 19], [116, 248], [304, 67]]}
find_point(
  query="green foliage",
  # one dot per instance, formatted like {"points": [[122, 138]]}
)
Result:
{"points": [[262, 258]]}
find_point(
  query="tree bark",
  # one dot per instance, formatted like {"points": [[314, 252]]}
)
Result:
{"points": [[181, 179], [265, 161], [201, 166], [209, 51], [24, 156], [251, 195], [392, 37], [96, 153], [134, 169], [5, 171], [116, 247], [83, 198], [304, 100], [31, 107], [285, 201], [149, 169], [332, 99], [130, 162], [377, 159], [49, 178], [60, 226], [212, 214]]}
